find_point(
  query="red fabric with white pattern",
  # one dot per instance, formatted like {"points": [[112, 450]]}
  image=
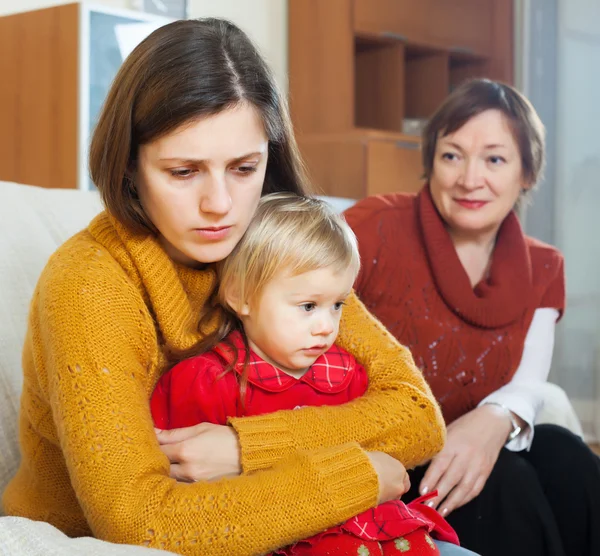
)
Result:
{"points": [[196, 390]]}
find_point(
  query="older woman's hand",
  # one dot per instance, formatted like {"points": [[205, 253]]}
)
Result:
{"points": [[459, 472], [202, 452]]}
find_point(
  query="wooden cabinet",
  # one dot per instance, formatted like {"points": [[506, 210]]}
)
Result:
{"points": [[365, 163], [359, 68], [58, 64], [394, 19], [462, 25], [393, 165]]}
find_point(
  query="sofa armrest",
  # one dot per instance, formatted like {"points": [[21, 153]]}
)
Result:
{"points": [[557, 409], [22, 537]]}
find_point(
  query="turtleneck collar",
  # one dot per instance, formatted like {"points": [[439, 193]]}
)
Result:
{"points": [[176, 294], [495, 301]]}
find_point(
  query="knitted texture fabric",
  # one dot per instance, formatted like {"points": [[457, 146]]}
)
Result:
{"points": [[468, 341], [107, 309]]}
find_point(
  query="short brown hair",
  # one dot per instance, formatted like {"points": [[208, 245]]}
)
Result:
{"points": [[181, 72], [476, 96]]}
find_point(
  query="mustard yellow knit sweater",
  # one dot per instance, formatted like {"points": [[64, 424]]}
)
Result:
{"points": [[106, 308]]}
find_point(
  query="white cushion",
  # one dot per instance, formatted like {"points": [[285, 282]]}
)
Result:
{"points": [[23, 537], [557, 409], [33, 223]]}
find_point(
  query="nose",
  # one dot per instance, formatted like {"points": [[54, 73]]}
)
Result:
{"points": [[215, 197], [471, 175], [323, 326]]}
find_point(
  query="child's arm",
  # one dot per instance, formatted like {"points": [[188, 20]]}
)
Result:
{"points": [[195, 391]]}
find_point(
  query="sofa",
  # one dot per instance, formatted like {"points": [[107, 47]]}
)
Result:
{"points": [[34, 222]]}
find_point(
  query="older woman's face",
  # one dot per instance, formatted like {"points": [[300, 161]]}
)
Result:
{"points": [[477, 174], [201, 184]]}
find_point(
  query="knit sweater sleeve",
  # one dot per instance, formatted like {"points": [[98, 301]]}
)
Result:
{"points": [[95, 342], [397, 415]]}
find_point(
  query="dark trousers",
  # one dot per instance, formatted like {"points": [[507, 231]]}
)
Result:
{"points": [[545, 502]]}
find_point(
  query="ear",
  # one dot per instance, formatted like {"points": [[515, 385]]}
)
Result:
{"points": [[240, 308], [526, 186]]}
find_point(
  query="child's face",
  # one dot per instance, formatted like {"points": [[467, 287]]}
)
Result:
{"points": [[297, 317]]}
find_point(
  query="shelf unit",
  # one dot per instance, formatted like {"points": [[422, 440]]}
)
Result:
{"points": [[59, 63], [359, 68]]}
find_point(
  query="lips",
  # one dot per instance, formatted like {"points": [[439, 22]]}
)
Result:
{"points": [[213, 229], [314, 349], [213, 232], [471, 204]]}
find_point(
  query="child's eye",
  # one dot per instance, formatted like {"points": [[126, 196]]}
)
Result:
{"points": [[338, 306], [308, 307]]}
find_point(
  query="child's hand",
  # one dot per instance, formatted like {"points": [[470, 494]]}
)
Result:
{"points": [[202, 452], [392, 475]]}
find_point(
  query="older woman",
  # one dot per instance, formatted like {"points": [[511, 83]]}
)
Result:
{"points": [[451, 274]]}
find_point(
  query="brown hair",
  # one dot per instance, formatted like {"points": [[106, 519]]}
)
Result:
{"points": [[476, 96], [183, 71]]}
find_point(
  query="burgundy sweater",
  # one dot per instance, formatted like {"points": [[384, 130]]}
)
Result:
{"points": [[468, 341]]}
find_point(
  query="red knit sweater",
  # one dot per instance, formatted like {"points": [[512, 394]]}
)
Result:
{"points": [[468, 341]]}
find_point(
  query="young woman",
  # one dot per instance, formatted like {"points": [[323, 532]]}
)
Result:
{"points": [[192, 133]]}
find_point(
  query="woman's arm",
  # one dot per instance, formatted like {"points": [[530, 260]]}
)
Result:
{"points": [[462, 468], [522, 395], [94, 344], [398, 414]]}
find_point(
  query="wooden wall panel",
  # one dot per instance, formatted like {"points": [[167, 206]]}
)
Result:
{"points": [[9, 120], [501, 65], [337, 165], [393, 166], [68, 95], [427, 78], [321, 65], [379, 86], [43, 47]]}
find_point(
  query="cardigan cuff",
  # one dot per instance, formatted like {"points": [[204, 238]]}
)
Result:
{"points": [[350, 477], [264, 440]]}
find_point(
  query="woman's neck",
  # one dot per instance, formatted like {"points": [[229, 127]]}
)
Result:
{"points": [[475, 252]]}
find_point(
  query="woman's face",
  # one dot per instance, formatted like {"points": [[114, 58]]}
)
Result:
{"points": [[477, 174], [200, 184]]}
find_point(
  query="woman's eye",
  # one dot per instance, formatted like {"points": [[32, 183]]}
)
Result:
{"points": [[308, 307], [449, 156], [496, 160], [245, 170], [182, 173]]}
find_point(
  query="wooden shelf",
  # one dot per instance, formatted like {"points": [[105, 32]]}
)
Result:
{"points": [[362, 65], [362, 162]]}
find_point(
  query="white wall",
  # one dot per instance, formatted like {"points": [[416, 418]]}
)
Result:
{"points": [[265, 21], [11, 6]]}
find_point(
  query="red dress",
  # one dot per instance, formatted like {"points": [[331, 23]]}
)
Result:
{"points": [[196, 391]]}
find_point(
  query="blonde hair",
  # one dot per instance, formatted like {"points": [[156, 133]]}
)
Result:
{"points": [[289, 233]]}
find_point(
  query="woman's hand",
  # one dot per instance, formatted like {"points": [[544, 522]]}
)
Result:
{"points": [[202, 452], [393, 478], [459, 472]]}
